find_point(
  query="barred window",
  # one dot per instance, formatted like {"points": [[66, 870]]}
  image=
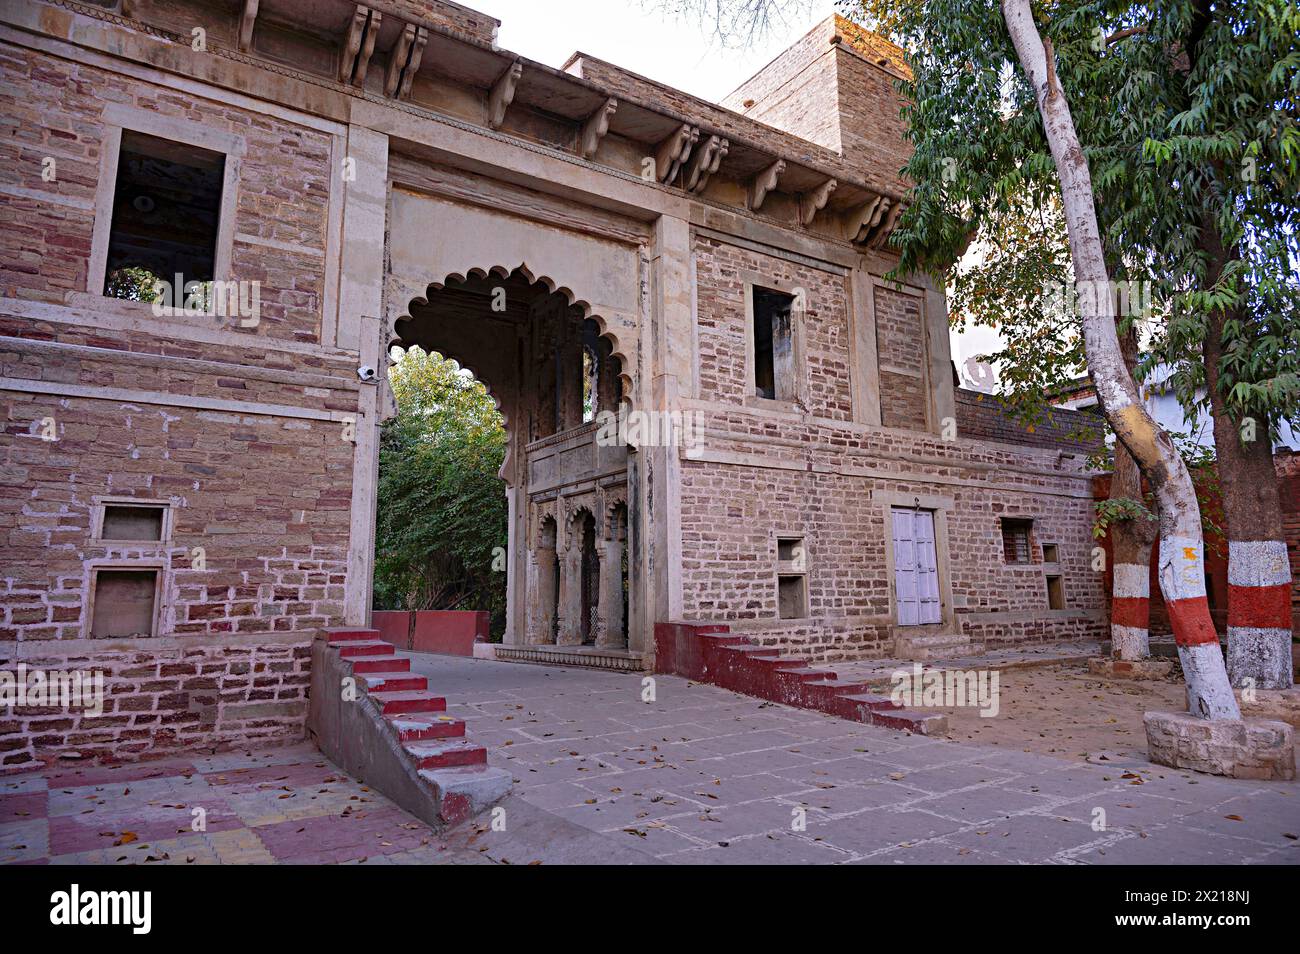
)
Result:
{"points": [[1016, 547]]}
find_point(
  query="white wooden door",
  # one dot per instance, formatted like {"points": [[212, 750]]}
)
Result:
{"points": [[916, 567]]}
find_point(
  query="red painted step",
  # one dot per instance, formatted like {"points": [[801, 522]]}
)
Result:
{"points": [[748, 649], [446, 753], [778, 661], [376, 663], [420, 726], [348, 648], [452, 770], [348, 633], [711, 653], [395, 703], [392, 681]]}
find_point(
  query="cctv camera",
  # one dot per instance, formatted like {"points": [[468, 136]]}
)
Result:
{"points": [[366, 373]]}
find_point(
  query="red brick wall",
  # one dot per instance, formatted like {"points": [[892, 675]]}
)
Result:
{"points": [[1287, 465], [1288, 472]]}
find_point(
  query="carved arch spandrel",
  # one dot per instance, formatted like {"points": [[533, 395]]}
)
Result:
{"points": [[612, 500], [540, 515], [575, 509]]}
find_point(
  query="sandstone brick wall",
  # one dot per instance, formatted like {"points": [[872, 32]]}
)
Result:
{"points": [[872, 129], [900, 348], [720, 305], [266, 498], [198, 698], [245, 444], [981, 417], [56, 108], [830, 484], [798, 91], [837, 95]]}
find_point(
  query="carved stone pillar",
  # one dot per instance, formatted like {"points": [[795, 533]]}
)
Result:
{"points": [[541, 602], [609, 613], [569, 622]]}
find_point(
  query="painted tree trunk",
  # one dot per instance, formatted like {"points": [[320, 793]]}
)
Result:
{"points": [[1259, 570], [1131, 540], [1182, 558]]}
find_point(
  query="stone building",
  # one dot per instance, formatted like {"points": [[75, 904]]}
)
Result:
{"points": [[189, 492]]}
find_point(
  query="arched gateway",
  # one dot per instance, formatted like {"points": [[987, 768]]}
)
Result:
{"points": [[553, 369]]}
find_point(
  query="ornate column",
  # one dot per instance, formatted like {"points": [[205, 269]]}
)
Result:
{"points": [[541, 603], [569, 621], [609, 612]]}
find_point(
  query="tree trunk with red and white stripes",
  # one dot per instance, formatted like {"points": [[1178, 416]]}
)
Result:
{"points": [[1182, 552], [1259, 570], [1131, 542]]}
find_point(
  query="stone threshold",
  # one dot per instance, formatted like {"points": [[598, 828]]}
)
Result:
{"points": [[586, 657]]}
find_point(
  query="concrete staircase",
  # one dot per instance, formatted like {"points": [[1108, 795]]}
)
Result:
{"points": [[713, 654], [396, 735]]}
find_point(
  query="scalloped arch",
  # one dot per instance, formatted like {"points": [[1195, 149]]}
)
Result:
{"points": [[604, 328], [572, 517]]}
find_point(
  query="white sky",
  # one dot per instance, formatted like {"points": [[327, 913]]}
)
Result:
{"points": [[635, 36]]}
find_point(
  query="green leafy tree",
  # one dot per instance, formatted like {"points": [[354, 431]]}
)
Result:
{"points": [[1185, 112], [441, 532]]}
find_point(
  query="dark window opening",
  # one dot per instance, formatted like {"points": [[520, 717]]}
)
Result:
{"points": [[1051, 553], [773, 344], [1015, 541], [791, 597], [132, 522], [1055, 593], [123, 603], [166, 206]]}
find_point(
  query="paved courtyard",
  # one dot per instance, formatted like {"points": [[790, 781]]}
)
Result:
{"points": [[699, 775], [703, 776]]}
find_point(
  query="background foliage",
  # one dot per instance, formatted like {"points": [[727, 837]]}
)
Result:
{"points": [[442, 507]]}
